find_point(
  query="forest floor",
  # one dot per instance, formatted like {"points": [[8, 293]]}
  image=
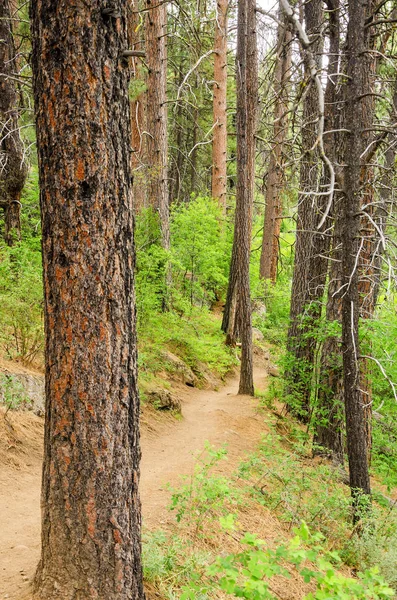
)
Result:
{"points": [[170, 448]]}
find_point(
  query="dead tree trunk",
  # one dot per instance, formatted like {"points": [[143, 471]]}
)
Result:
{"points": [[276, 170], [372, 227], [13, 169], [309, 267], [357, 89], [330, 434], [91, 514], [329, 426], [329, 422], [219, 145], [237, 320], [156, 140]]}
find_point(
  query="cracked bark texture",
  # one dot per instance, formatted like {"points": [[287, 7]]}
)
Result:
{"points": [[90, 503]]}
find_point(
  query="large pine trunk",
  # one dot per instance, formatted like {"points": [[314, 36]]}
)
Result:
{"points": [[91, 515], [219, 146], [275, 179], [237, 320], [12, 166]]}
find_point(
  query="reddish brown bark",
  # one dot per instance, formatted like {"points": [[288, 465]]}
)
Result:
{"points": [[13, 169], [276, 170], [237, 319], [90, 504], [219, 145]]}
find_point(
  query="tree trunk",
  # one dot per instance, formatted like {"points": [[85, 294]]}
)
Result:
{"points": [[329, 425], [91, 515], [177, 162], [310, 267], [13, 169], [276, 170], [329, 422], [356, 90], [369, 264], [156, 140], [237, 320], [219, 145], [195, 114], [138, 118]]}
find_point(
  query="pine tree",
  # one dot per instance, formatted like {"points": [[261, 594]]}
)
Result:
{"points": [[90, 503], [237, 320]]}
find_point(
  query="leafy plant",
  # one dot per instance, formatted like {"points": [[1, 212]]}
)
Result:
{"points": [[169, 563], [200, 250], [248, 574], [21, 298], [12, 393], [204, 497]]}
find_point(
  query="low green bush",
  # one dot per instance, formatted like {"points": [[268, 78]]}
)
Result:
{"points": [[248, 574], [21, 301]]}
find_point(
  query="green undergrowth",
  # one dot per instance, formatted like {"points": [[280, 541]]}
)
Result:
{"points": [[175, 292], [194, 338], [279, 519], [377, 339]]}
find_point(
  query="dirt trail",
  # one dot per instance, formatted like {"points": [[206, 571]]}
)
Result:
{"points": [[168, 451]]}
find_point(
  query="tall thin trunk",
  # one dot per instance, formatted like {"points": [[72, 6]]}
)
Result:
{"points": [[276, 170], [357, 89], [372, 246], [237, 319], [91, 516], [156, 139], [13, 169], [194, 148], [329, 432], [138, 114], [310, 267], [219, 144], [176, 167]]}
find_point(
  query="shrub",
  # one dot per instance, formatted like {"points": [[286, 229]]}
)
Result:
{"points": [[247, 574], [21, 299]]}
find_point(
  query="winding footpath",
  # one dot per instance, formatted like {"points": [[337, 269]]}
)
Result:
{"points": [[169, 450]]}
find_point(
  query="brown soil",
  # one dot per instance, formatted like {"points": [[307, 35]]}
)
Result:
{"points": [[18, 369], [169, 449]]}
